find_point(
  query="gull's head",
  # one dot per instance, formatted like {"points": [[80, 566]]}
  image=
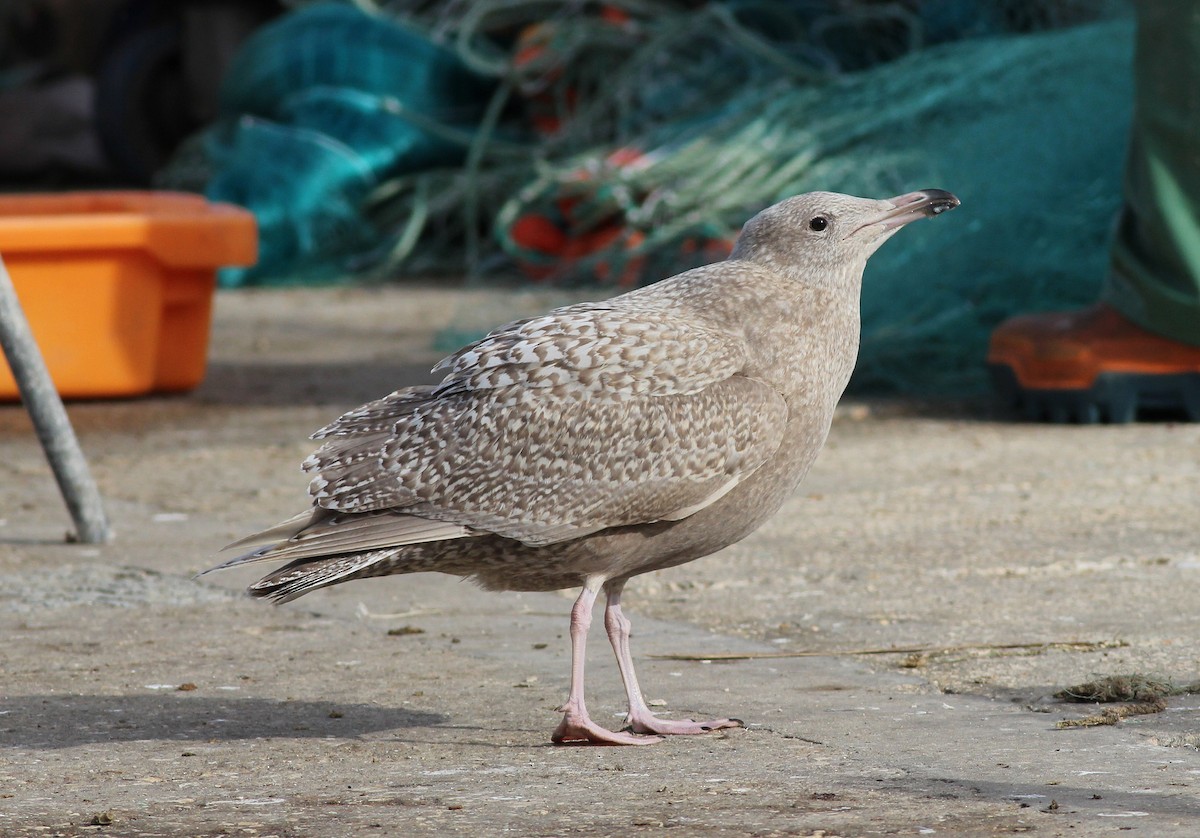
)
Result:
{"points": [[823, 237]]}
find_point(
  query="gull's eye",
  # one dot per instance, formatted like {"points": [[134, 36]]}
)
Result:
{"points": [[818, 223]]}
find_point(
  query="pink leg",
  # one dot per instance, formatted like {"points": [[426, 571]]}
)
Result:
{"points": [[640, 719], [576, 725]]}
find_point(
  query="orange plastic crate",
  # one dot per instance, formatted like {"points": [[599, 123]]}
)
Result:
{"points": [[118, 286]]}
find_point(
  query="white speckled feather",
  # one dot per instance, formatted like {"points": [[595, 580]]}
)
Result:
{"points": [[590, 417]]}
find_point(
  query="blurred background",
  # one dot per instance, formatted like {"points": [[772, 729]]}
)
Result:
{"points": [[602, 144]]}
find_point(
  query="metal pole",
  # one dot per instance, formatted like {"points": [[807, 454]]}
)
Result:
{"points": [[50, 418]]}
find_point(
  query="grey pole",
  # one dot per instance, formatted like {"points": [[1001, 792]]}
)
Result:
{"points": [[50, 418]]}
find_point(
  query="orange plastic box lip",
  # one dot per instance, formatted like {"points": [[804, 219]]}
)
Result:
{"points": [[179, 229]]}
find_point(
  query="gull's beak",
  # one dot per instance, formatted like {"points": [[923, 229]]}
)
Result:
{"points": [[924, 203]]}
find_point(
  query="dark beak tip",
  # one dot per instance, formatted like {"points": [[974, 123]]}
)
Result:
{"points": [[939, 200], [906, 208]]}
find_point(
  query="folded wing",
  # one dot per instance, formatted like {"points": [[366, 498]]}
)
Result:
{"points": [[552, 428]]}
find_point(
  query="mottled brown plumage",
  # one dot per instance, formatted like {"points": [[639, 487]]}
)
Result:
{"points": [[604, 440]]}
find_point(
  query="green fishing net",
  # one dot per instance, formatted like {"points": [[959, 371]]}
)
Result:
{"points": [[618, 143]]}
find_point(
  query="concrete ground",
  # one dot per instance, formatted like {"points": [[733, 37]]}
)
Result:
{"points": [[1001, 561]]}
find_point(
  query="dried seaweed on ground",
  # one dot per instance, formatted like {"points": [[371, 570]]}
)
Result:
{"points": [[1112, 715], [1144, 695], [1132, 687]]}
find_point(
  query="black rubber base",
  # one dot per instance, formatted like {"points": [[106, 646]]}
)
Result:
{"points": [[1114, 397]]}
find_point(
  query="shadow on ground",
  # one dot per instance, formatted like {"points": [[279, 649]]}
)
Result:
{"points": [[286, 385], [52, 721], [1062, 799]]}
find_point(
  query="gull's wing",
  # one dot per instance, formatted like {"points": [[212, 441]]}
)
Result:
{"points": [[593, 416]]}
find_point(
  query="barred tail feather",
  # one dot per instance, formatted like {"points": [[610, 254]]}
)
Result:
{"points": [[304, 575]]}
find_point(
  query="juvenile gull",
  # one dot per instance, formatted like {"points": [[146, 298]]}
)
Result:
{"points": [[604, 440]]}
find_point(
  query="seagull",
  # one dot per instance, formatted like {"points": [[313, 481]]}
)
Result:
{"points": [[605, 439]]}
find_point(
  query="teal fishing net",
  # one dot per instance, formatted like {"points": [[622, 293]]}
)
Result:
{"points": [[319, 109], [618, 143]]}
